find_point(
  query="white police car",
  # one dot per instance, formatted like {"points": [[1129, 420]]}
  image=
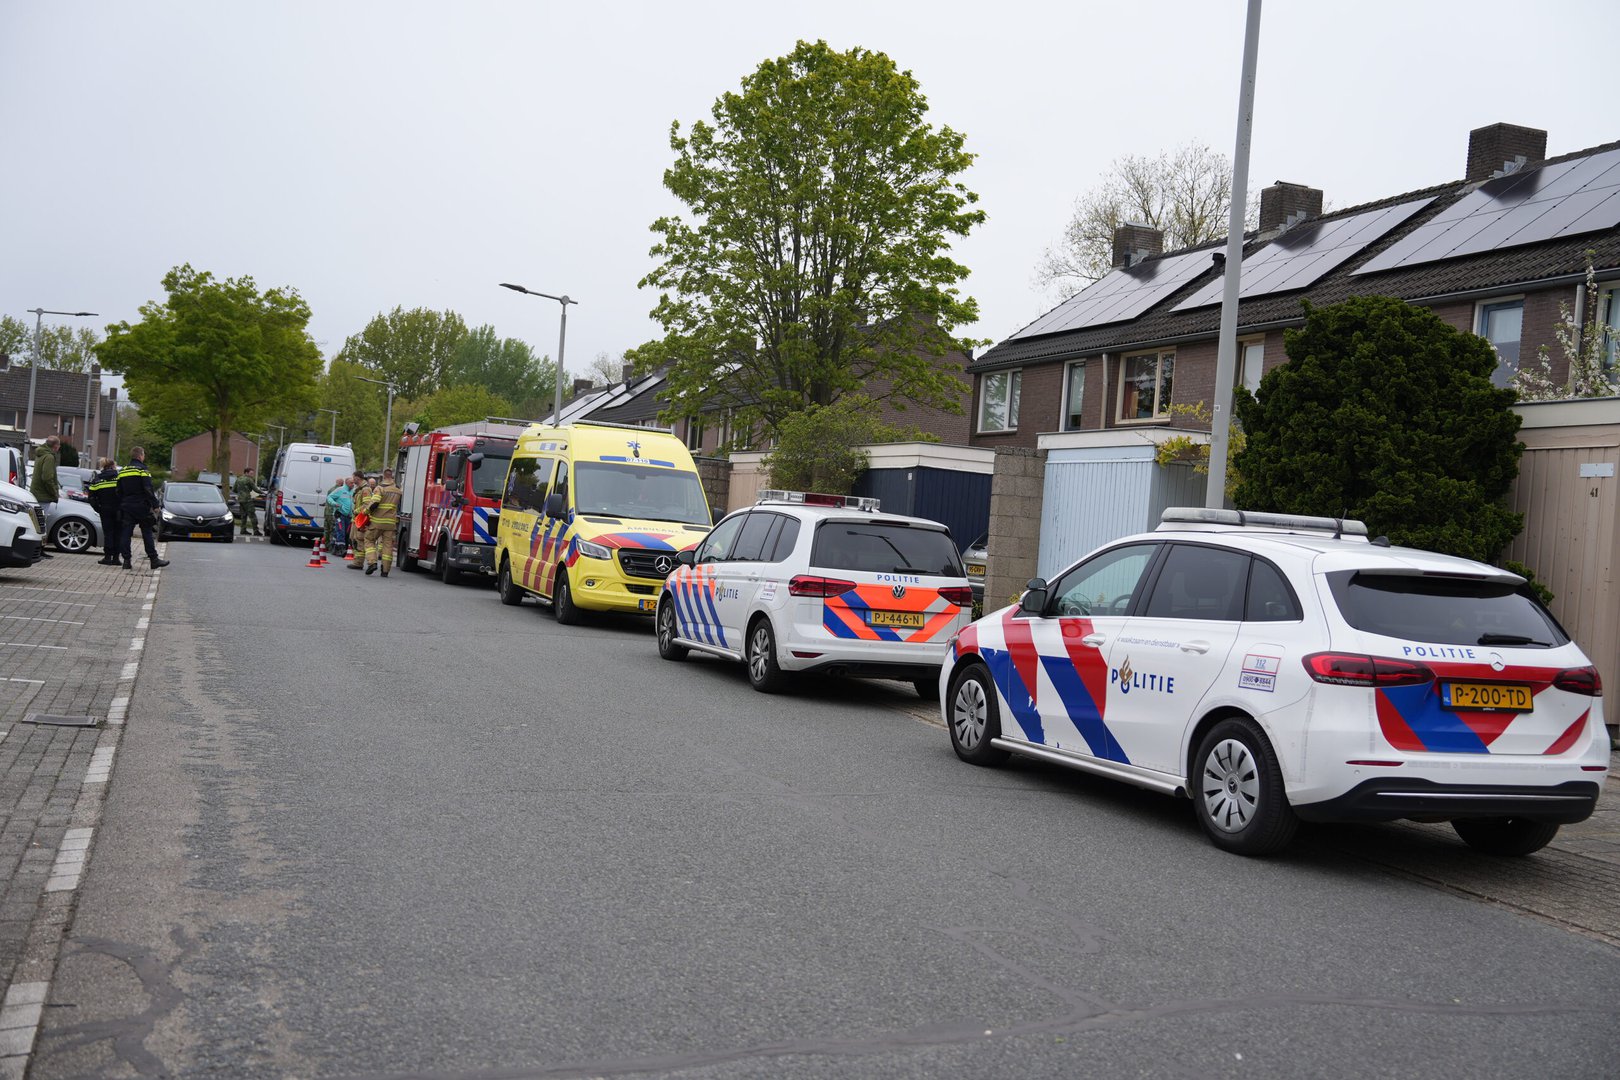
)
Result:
{"points": [[823, 583], [1276, 668]]}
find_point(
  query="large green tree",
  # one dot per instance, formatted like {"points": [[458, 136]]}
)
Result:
{"points": [[220, 355], [508, 368], [814, 257], [1385, 413], [60, 346], [412, 349]]}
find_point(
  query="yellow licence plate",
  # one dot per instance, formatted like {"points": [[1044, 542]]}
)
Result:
{"points": [[646, 605], [905, 620], [975, 569], [202, 536], [1486, 697], [298, 520]]}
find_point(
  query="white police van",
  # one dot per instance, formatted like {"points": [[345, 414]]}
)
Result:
{"points": [[295, 501], [1277, 669]]}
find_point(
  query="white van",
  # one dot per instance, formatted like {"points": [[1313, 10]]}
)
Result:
{"points": [[295, 501], [22, 526]]}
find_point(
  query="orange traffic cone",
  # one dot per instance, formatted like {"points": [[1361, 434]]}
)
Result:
{"points": [[315, 555], [320, 545]]}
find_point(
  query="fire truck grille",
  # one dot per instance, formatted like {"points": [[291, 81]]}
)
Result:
{"points": [[639, 562]]}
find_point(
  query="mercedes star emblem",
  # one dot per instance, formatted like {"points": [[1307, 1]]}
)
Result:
{"points": [[664, 564]]}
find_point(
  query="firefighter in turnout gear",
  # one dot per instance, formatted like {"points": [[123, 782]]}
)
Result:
{"points": [[382, 508]]}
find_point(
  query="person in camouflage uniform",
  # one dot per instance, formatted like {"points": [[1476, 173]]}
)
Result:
{"points": [[246, 519], [382, 507]]}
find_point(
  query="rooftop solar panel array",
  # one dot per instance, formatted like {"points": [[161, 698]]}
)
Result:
{"points": [[1564, 199], [1300, 256], [1120, 294]]}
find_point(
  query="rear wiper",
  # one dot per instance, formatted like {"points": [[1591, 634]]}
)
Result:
{"points": [[1509, 639]]}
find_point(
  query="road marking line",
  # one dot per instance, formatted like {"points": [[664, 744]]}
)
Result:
{"points": [[142, 623], [30, 618], [137, 644], [36, 682], [64, 592], [62, 603], [129, 670], [26, 645]]}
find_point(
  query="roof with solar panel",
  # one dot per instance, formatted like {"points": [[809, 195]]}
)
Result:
{"points": [[1527, 223]]}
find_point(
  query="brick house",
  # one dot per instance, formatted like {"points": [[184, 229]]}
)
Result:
{"points": [[194, 455], [1120, 352], [71, 405]]}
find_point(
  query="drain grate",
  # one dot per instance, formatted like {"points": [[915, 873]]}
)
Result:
{"points": [[59, 721]]}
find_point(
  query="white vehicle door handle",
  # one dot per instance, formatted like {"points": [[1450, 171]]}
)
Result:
{"points": [[1195, 646], [1094, 640]]}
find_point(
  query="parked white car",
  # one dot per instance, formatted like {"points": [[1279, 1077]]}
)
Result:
{"points": [[1277, 668], [817, 583], [21, 526]]}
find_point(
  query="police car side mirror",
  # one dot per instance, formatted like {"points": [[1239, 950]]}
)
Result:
{"points": [[1034, 598], [686, 557], [556, 505]]}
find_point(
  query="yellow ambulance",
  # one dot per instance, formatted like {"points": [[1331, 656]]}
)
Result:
{"points": [[593, 515]]}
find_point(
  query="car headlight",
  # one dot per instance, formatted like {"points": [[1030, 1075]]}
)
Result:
{"points": [[594, 551], [170, 517], [14, 507]]}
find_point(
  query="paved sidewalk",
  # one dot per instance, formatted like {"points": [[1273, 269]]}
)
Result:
{"points": [[71, 638]]}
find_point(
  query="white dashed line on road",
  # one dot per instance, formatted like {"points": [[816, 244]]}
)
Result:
{"points": [[137, 644], [100, 768], [19, 1021], [59, 603], [61, 592], [26, 645], [69, 861], [130, 669], [36, 682], [30, 618], [142, 623]]}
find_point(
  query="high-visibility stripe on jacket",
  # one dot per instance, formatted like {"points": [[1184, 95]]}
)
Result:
{"points": [[383, 506]]}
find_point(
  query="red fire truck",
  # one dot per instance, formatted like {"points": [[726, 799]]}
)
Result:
{"points": [[450, 483]]}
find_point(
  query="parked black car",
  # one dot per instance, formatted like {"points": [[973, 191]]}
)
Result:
{"points": [[195, 511]]}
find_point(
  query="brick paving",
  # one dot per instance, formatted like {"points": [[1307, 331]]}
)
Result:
{"points": [[71, 635]]}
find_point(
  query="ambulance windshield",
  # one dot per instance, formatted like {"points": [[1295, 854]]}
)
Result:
{"points": [[652, 492], [489, 476]]}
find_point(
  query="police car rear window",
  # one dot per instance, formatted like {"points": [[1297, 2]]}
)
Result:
{"points": [[882, 548], [1446, 610]]}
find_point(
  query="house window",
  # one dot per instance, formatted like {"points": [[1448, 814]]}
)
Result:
{"points": [[998, 400], [1144, 385], [1074, 395], [1254, 362], [694, 434], [1608, 317], [1502, 324], [8, 418], [66, 427]]}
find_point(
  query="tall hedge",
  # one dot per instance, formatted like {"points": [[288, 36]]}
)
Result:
{"points": [[1385, 413]]}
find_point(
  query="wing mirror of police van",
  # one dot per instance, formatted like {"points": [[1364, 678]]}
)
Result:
{"points": [[686, 556], [1034, 598], [556, 505]]}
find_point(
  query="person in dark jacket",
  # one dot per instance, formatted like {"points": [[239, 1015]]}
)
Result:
{"points": [[104, 501], [43, 485], [137, 505]]}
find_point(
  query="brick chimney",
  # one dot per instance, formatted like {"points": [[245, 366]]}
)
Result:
{"points": [[628, 372], [582, 386], [1134, 242], [1503, 148], [1284, 204]]}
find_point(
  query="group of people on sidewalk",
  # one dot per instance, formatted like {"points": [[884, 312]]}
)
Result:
{"points": [[363, 513], [124, 499]]}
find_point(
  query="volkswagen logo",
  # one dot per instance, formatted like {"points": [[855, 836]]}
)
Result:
{"points": [[899, 591], [663, 564]]}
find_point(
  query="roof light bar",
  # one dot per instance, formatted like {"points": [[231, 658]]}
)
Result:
{"points": [[1246, 519], [813, 498]]}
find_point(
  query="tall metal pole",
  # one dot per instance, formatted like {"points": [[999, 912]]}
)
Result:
{"points": [[33, 378], [562, 341], [388, 425], [1226, 354], [87, 443]]}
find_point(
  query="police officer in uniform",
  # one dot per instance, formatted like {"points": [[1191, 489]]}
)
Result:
{"points": [[104, 500], [137, 503], [382, 506], [245, 517]]}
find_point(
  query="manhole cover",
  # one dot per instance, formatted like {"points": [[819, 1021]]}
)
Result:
{"points": [[59, 721]]}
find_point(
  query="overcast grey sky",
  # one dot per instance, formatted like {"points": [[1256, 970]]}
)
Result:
{"points": [[374, 154]]}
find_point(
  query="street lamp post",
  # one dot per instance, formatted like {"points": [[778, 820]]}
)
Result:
{"points": [[88, 441], [562, 341], [333, 440], [388, 420], [33, 364]]}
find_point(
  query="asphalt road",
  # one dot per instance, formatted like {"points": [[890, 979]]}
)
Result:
{"points": [[392, 828]]}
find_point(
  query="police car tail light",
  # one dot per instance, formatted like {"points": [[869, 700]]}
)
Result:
{"points": [[960, 595], [1581, 680], [811, 585], [1355, 669]]}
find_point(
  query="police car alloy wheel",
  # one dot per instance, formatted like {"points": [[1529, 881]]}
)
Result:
{"points": [[763, 671], [667, 632], [1238, 791], [973, 716]]}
